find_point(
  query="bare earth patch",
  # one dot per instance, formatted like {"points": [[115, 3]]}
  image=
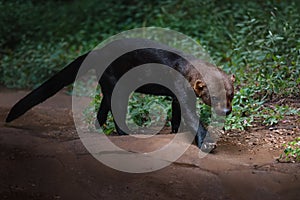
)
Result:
{"points": [[43, 158]]}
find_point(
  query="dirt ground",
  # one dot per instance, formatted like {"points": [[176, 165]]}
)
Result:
{"points": [[42, 157]]}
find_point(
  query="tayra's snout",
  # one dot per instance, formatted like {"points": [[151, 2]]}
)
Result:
{"points": [[227, 111], [223, 112]]}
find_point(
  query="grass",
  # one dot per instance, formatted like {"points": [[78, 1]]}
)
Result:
{"points": [[291, 152], [258, 41]]}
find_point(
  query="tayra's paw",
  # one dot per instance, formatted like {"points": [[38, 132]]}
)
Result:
{"points": [[174, 130], [208, 147], [97, 126], [99, 123], [120, 131]]}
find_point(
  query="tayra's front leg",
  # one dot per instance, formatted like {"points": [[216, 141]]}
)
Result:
{"points": [[203, 140], [188, 103]]}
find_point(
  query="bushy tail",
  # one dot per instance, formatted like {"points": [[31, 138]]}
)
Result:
{"points": [[63, 78]]}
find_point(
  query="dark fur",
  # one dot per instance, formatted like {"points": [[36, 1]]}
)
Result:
{"points": [[118, 68]]}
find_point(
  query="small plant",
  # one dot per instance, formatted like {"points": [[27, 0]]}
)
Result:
{"points": [[143, 111], [291, 152], [261, 48], [273, 114]]}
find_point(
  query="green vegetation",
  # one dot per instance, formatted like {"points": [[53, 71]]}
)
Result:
{"points": [[258, 41], [291, 152]]}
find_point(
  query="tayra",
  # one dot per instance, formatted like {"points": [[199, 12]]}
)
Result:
{"points": [[181, 105]]}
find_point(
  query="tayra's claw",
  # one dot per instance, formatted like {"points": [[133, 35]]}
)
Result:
{"points": [[208, 146]]}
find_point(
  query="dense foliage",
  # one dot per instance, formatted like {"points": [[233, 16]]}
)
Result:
{"points": [[258, 41]]}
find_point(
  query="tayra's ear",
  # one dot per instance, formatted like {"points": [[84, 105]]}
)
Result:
{"points": [[232, 77], [198, 86]]}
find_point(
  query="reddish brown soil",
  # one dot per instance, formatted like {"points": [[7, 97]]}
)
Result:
{"points": [[43, 158]]}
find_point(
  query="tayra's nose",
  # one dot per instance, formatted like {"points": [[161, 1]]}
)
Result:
{"points": [[227, 111]]}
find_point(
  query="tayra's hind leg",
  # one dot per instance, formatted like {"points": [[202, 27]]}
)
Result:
{"points": [[176, 115], [105, 107], [119, 114]]}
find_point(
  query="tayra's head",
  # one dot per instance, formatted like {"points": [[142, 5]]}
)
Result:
{"points": [[217, 91]]}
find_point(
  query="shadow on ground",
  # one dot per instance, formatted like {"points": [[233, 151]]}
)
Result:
{"points": [[43, 158]]}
